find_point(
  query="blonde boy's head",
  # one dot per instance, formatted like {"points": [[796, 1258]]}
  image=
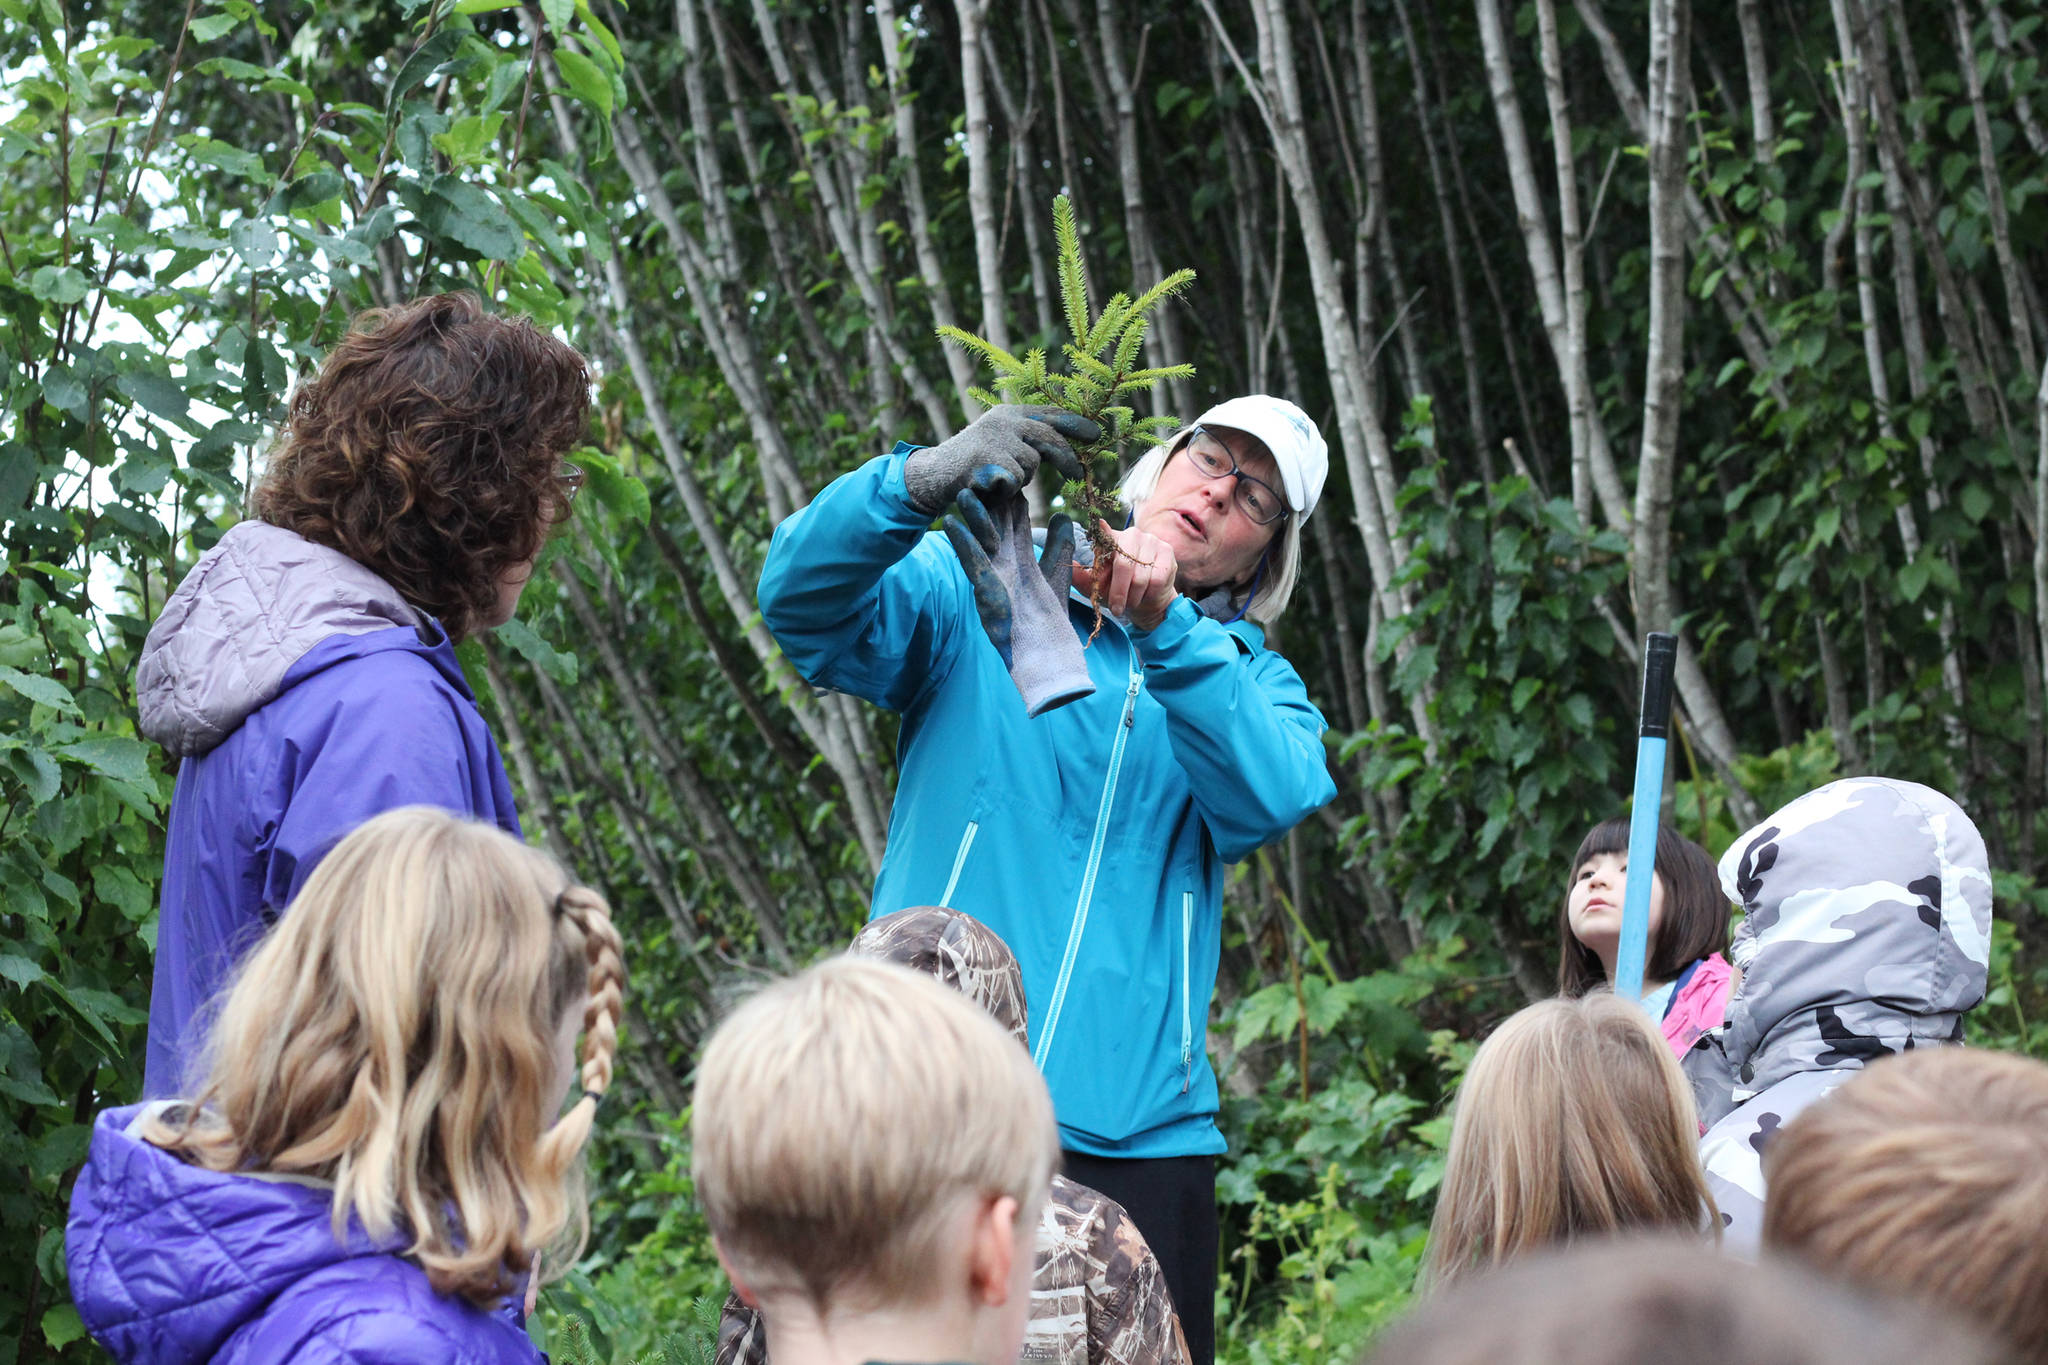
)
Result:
{"points": [[844, 1118], [1926, 1177]]}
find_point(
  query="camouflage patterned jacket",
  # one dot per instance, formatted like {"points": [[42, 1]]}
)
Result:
{"points": [[1097, 1295], [1866, 931]]}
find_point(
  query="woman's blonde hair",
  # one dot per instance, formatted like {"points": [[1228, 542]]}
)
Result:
{"points": [[1282, 559], [1574, 1120], [395, 1034]]}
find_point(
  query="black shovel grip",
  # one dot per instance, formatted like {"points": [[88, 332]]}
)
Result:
{"points": [[1660, 663]]}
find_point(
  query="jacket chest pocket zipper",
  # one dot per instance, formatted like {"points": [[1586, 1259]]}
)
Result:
{"points": [[959, 862], [1082, 902], [1187, 1004]]}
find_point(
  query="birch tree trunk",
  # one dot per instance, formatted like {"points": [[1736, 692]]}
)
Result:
{"points": [[535, 797], [1162, 342], [1368, 456], [2023, 106], [840, 207], [1468, 342], [1664, 371], [981, 189], [1578, 381], [826, 726], [716, 837], [2021, 316], [1736, 293], [1595, 477]]}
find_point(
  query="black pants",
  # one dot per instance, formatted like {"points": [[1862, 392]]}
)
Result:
{"points": [[1173, 1201]]}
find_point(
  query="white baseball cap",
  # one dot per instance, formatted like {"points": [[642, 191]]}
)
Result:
{"points": [[1297, 447]]}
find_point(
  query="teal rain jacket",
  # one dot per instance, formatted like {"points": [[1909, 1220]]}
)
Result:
{"points": [[1093, 839]]}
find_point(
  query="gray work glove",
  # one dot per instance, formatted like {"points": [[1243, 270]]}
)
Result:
{"points": [[1022, 598], [1013, 438]]}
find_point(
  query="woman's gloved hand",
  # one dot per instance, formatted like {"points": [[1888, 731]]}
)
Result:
{"points": [[1021, 598], [1013, 438]]}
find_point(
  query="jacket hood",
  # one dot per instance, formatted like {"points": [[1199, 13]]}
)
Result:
{"points": [[958, 950], [251, 608], [1866, 931], [169, 1260]]}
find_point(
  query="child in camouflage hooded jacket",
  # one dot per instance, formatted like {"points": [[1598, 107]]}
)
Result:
{"points": [[1097, 1294], [1866, 932]]}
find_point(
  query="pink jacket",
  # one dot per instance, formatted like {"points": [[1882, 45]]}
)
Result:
{"points": [[1700, 1005]]}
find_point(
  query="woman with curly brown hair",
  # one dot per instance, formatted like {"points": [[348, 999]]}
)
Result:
{"points": [[304, 672]]}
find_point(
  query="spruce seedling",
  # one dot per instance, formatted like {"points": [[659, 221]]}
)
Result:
{"points": [[1098, 382]]}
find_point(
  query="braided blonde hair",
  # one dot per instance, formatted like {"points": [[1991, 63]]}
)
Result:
{"points": [[395, 1035]]}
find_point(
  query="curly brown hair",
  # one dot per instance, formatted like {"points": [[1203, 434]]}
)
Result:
{"points": [[429, 450]]}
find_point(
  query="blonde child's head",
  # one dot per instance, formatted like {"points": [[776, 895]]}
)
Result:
{"points": [[406, 1031], [862, 1136], [1573, 1121], [1925, 1177], [1688, 909]]}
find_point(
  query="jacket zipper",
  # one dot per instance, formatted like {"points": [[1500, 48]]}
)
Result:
{"points": [[959, 861], [1187, 1024], [1081, 904]]}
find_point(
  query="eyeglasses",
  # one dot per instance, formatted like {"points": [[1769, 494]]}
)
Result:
{"points": [[1254, 497]]}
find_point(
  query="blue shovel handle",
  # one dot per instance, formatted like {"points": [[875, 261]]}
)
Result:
{"points": [[1660, 660]]}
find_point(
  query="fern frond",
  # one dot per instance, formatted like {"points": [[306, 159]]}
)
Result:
{"points": [[1073, 271], [1002, 360]]}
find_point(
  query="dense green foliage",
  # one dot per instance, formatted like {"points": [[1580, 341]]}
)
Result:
{"points": [[753, 216]]}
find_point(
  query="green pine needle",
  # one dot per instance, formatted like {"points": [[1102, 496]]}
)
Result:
{"points": [[1116, 315], [1002, 361], [1072, 269], [1127, 349]]}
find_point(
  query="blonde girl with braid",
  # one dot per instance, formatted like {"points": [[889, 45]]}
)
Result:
{"points": [[390, 1129]]}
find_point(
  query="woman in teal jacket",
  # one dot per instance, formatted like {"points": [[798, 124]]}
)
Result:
{"points": [[1088, 825]]}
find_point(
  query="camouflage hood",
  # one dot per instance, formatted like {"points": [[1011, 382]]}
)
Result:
{"points": [[957, 949], [1866, 931]]}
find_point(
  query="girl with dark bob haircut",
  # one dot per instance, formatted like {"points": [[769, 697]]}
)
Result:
{"points": [[303, 675], [1686, 976]]}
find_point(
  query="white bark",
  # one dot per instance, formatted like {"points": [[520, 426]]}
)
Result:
{"points": [[1368, 456], [1578, 382], [1162, 341], [2020, 314], [981, 205], [1461, 304], [842, 220], [1664, 370], [1592, 457]]}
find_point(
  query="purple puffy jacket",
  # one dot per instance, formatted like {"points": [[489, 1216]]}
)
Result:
{"points": [[175, 1265], [303, 696]]}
